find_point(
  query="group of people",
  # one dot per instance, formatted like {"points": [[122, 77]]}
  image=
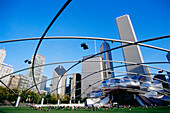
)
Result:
{"points": [[93, 108], [105, 108], [58, 108]]}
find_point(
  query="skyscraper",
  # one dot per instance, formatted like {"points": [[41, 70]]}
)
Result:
{"points": [[23, 82], [14, 81], [4, 68], [2, 55], [43, 85], [19, 81], [88, 68], [131, 53], [57, 73], [168, 57], [107, 56], [38, 71], [75, 85]]}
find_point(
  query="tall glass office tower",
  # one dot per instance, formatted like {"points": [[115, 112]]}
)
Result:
{"points": [[107, 56]]}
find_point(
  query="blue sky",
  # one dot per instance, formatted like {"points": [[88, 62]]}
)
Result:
{"points": [[96, 18]]}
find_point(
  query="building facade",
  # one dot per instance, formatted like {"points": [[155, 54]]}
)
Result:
{"points": [[107, 56], [19, 81], [88, 68], [168, 57], [131, 53], [2, 55], [75, 86], [23, 82], [43, 85], [57, 74], [38, 71], [4, 68], [14, 81]]}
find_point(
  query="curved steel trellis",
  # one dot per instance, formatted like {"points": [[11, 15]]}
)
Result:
{"points": [[133, 43], [94, 38]]}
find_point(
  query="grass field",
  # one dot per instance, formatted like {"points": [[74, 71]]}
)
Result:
{"points": [[101, 110]]}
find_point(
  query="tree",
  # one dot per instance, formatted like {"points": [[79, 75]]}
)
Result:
{"points": [[47, 99], [53, 99], [6, 94], [12, 96], [3, 93], [65, 99]]}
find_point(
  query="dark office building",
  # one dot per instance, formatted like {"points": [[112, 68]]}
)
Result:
{"points": [[76, 86], [68, 87]]}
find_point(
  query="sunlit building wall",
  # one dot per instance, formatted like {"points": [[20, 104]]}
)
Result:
{"points": [[57, 73], [2, 55], [131, 53], [88, 68], [19, 81], [23, 82], [14, 81], [4, 68], [107, 56], [38, 71]]}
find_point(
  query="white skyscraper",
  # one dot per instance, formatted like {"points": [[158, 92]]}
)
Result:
{"points": [[38, 71], [2, 55], [88, 68], [4, 68]]}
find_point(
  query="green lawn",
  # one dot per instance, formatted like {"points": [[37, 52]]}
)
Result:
{"points": [[115, 110]]}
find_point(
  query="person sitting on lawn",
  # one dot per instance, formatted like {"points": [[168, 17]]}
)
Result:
{"points": [[48, 109], [129, 107]]}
